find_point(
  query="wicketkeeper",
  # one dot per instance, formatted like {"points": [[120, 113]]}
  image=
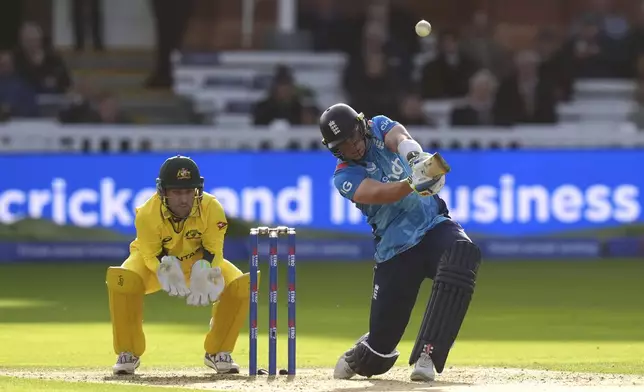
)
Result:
{"points": [[179, 249], [395, 184]]}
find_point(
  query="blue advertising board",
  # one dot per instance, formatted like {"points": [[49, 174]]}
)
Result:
{"points": [[238, 250], [517, 193]]}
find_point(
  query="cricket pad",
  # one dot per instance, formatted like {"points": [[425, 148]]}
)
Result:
{"points": [[126, 291], [447, 306]]}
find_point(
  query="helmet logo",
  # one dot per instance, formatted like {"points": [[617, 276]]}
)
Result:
{"points": [[334, 127], [183, 174]]}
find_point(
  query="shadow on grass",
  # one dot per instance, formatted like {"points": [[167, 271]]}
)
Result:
{"points": [[513, 301]]}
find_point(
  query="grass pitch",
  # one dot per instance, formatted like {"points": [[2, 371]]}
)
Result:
{"points": [[575, 316]]}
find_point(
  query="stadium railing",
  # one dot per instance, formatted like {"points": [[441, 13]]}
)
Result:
{"points": [[26, 136]]}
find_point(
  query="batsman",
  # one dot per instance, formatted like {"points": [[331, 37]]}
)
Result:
{"points": [[395, 184], [178, 249]]}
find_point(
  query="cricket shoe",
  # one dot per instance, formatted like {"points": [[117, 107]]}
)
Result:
{"points": [[222, 362], [126, 363], [342, 370], [424, 367]]}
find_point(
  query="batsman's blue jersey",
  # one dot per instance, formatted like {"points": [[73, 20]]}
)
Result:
{"points": [[397, 226]]}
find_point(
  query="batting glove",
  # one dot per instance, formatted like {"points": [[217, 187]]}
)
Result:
{"points": [[206, 284], [428, 173], [171, 277]]}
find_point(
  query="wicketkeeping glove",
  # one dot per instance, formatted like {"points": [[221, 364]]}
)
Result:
{"points": [[428, 173], [206, 284], [171, 277]]}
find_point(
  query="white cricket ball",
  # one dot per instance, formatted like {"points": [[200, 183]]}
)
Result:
{"points": [[423, 28]]}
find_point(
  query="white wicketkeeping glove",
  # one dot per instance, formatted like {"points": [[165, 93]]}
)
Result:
{"points": [[171, 277], [428, 173], [206, 284]]}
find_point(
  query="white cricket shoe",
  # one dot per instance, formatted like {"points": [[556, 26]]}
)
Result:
{"points": [[342, 370], [222, 362], [126, 363], [423, 369]]}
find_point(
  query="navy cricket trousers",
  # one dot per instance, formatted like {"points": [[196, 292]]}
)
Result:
{"points": [[397, 281]]}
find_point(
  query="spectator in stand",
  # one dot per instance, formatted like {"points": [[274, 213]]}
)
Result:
{"points": [[39, 64], [324, 22], [637, 116], [613, 30], [110, 112], [17, 98], [87, 14], [588, 53], [477, 109], [171, 19], [525, 98], [410, 111], [282, 103], [86, 108], [80, 108], [554, 66], [446, 76], [11, 16], [374, 87], [479, 45], [636, 40]]}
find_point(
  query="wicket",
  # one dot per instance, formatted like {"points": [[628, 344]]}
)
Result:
{"points": [[273, 236]]}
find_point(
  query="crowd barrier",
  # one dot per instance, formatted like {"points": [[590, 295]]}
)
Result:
{"points": [[47, 136]]}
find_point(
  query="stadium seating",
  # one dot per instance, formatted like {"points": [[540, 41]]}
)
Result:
{"points": [[224, 87]]}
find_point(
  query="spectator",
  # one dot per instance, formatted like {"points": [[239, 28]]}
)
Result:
{"points": [[374, 89], [614, 29], [611, 24], [109, 111], [554, 66], [637, 116], [525, 97], [479, 45], [447, 75], [171, 19], [80, 108], [283, 102], [410, 111], [636, 39], [587, 52], [84, 13], [104, 109], [17, 98], [11, 15], [39, 65], [324, 22], [478, 107]]}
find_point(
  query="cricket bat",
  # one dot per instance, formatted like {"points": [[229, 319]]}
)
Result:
{"points": [[436, 166]]}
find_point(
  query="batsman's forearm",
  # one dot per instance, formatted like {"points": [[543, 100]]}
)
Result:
{"points": [[374, 192]]}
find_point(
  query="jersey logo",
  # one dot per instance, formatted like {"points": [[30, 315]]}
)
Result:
{"points": [[166, 240], [193, 235], [346, 186], [183, 174], [384, 125], [379, 144], [334, 127], [221, 225], [396, 169], [371, 167]]}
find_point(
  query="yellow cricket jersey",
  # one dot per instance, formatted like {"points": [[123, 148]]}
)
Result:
{"points": [[156, 236]]}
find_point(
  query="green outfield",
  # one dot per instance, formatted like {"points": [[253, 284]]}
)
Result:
{"points": [[581, 316]]}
